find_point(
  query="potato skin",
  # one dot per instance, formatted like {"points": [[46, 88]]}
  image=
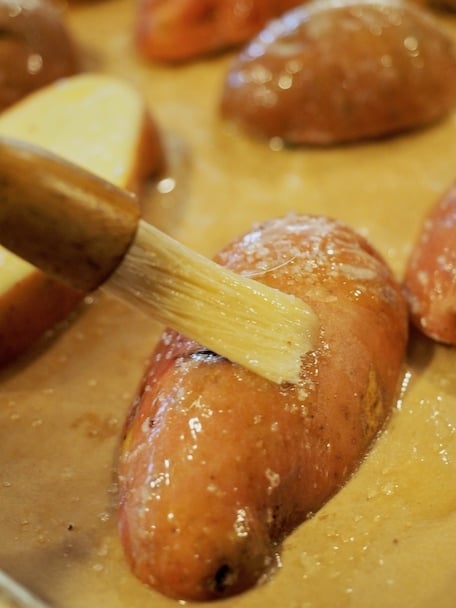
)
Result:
{"points": [[218, 465], [329, 72], [184, 30], [430, 275]]}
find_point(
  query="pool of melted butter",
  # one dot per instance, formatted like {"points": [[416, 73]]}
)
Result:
{"points": [[388, 538]]}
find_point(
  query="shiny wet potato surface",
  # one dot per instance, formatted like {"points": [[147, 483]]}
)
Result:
{"points": [[390, 534]]}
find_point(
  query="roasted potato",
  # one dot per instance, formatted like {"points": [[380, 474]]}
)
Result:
{"points": [[430, 276], [182, 30], [81, 118], [218, 465], [335, 71], [35, 49]]}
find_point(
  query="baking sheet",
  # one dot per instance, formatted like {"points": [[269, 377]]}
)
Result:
{"points": [[389, 537]]}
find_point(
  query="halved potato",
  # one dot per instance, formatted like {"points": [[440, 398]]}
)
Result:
{"points": [[100, 123]]}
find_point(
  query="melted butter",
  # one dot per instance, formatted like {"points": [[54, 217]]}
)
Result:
{"points": [[394, 520]]}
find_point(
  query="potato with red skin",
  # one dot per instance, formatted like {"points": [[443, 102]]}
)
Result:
{"points": [[182, 30], [218, 465], [35, 48], [430, 275], [335, 71]]}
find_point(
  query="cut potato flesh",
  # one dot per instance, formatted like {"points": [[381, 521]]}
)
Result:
{"points": [[101, 124]]}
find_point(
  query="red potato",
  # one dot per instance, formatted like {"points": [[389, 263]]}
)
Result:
{"points": [[218, 465], [180, 30], [335, 71], [430, 276], [35, 48]]}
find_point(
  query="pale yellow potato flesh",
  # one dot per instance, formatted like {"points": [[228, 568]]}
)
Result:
{"points": [[388, 539], [94, 120], [99, 122], [11, 268]]}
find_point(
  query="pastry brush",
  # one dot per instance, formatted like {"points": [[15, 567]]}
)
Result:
{"points": [[87, 233]]}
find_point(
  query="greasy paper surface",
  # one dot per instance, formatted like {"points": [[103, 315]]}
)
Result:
{"points": [[389, 537]]}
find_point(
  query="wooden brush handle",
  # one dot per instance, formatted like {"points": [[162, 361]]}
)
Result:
{"points": [[69, 223]]}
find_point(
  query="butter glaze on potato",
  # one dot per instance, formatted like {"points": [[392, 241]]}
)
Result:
{"points": [[337, 71], [218, 465]]}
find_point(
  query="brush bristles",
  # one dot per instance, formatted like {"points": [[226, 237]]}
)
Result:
{"points": [[261, 328]]}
